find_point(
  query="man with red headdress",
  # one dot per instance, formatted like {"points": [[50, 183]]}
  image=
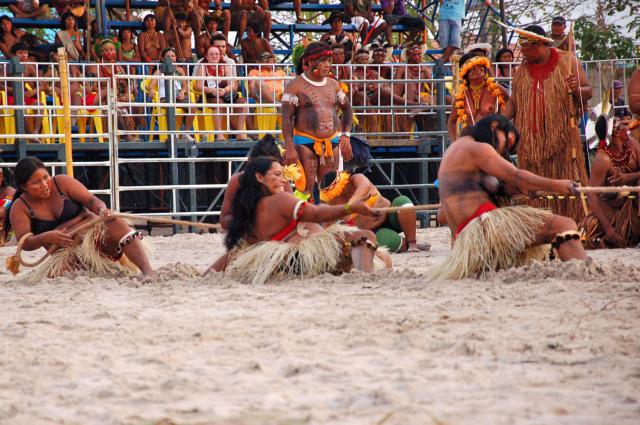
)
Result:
{"points": [[548, 90], [311, 127]]}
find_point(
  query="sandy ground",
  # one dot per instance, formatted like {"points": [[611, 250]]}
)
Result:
{"points": [[547, 344]]}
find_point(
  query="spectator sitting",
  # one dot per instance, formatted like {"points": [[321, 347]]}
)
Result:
{"points": [[450, 26], [30, 9], [267, 90], [128, 50], [9, 35], [253, 45], [337, 35], [504, 58], [30, 74], [418, 90], [220, 41], [96, 93], [396, 14], [220, 87], [362, 17], [618, 103], [338, 56], [97, 38], [378, 58], [178, 34], [150, 41], [70, 37], [180, 88], [246, 13]]}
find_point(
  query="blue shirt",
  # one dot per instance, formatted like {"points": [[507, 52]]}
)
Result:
{"points": [[452, 10]]}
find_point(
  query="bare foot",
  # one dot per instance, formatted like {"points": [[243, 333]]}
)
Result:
{"points": [[147, 277]]}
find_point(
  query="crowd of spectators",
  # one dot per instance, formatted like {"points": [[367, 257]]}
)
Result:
{"points": [[198, 33]]}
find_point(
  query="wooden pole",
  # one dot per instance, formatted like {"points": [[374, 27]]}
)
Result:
{"points": [[426, 207], [153, 219], [66, 108]]}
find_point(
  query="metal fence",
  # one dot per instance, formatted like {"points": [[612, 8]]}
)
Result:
{"points": [[113, 104]]}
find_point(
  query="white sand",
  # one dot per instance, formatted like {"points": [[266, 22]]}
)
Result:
{"points": [[552, 344]]}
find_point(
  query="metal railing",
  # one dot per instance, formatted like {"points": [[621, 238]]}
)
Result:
{"points": [[105, 97]]}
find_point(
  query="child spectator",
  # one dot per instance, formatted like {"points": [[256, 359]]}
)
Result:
{"points": [[9, 35]]}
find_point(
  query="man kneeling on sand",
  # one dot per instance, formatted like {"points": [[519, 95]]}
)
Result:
{"points": [[485, 237], [341, 187]]}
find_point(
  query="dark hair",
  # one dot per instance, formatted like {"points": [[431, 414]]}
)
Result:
{"points": [[64, 17], [122, 30], [165, 51], [250, 192], [327, 179], [266, 147], [315, 47], [536, 29], [180, 17], [13, 29], [218, 36], [502, 52], [19, 46], [22, 173], [149, 16], [483, 131], [208, 19], [257, 28]]}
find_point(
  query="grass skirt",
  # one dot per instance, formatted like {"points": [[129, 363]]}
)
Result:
{"points": [[311, 256], [625, 221], [84, 256], [498, 239]]}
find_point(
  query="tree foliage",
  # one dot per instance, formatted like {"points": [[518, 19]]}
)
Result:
{"points": [[629, 8], [599, 42]]}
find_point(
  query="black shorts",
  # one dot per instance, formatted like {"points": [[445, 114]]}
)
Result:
{"points": [[410, 22]]}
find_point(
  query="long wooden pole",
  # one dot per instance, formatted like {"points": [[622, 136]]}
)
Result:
{"points": [[66, 108], [153, 219], [426, 207]]}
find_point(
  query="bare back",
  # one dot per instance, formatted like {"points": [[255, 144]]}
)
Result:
{"points": [[317, 111], [461, 182]]}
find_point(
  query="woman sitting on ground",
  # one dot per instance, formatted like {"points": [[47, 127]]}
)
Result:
{"points": [[274, 234], [49, 208]]}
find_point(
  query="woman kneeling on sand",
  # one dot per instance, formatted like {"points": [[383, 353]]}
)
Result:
{"points": [[49, 208], [274, 234]]}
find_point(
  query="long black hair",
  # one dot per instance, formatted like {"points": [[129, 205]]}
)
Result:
{"points": [[266, 147], [484, 132], [250, 192], [23, 172]]}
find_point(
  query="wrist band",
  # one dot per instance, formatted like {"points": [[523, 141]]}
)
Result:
{"points": [[347, 208]]}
